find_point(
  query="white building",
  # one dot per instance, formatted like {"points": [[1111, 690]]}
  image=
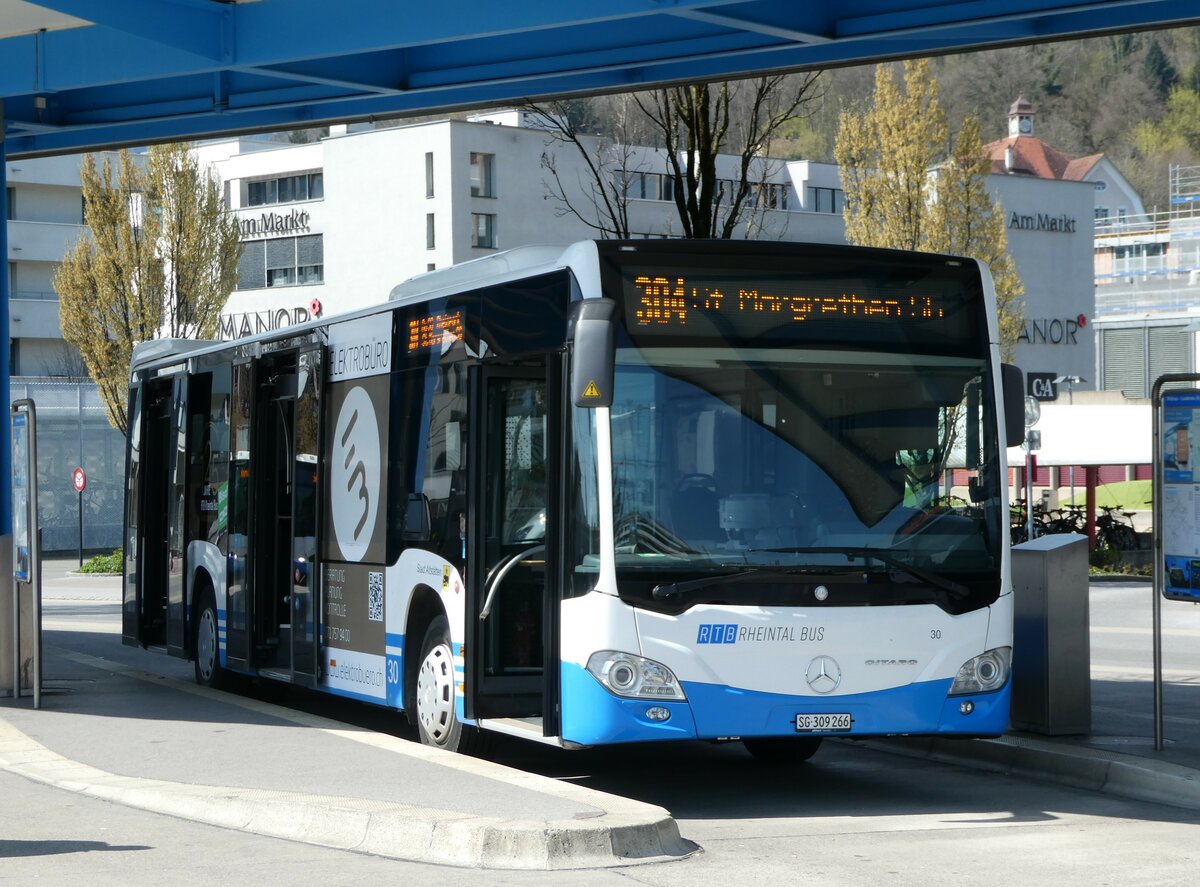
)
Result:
{"points": [[45, 218], [333, 225], [345, 219]]}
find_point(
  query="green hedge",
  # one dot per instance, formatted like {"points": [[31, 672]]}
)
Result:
{"points": [[106, 563]]}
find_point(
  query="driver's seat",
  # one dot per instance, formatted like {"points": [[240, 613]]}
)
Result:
{"points": [[694, 508]]}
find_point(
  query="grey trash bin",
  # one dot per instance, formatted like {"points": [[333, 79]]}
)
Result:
{"points": [[1051, 672]]}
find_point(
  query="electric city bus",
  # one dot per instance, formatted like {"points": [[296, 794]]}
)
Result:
{"points": [[609, 492]]}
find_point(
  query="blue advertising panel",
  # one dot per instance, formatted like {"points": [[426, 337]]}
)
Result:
{"points": [[1180, 495], [20, 495]]}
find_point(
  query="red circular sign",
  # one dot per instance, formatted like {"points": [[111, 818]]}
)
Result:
{"points": [[79, 479], [314, 307]]}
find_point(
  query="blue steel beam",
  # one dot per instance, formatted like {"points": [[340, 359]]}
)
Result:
{"points": [[599, 53], [199, 27]]}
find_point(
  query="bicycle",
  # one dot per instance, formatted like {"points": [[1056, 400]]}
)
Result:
{"points": [[1113, 534], [1019, 529]]}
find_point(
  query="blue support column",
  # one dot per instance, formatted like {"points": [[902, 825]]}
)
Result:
{"points": [[5, 348]]}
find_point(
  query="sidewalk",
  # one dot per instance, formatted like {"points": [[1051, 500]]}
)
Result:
{"points": [[137, 730]]}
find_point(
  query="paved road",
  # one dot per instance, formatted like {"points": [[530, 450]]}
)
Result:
{"points": [[851, 816]]}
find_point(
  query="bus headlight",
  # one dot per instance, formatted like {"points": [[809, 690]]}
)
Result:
{"points": [[983, 673], [634, 677]]}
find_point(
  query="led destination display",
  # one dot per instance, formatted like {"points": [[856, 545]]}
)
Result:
{"points": [[670, 301], [433, 330], [748, 307]]}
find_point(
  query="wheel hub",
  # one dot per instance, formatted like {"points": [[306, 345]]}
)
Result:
{"points": [[435, 694], [206, 644]]}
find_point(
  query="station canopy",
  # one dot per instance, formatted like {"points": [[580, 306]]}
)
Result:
{"points": [[84, 74]]}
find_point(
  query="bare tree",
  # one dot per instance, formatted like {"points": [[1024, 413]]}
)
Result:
{"points": [[598, 191], [687, 129]]}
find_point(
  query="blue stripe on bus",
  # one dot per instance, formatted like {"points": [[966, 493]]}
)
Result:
{"points": [[593, 716], [922, 708]]}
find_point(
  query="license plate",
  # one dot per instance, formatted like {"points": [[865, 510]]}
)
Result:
{"points": [[835, 723]]}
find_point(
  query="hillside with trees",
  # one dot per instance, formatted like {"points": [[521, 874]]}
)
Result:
{"points": [[1134, 97]]}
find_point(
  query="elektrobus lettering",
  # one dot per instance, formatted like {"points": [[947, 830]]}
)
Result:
{"points": [[706, 486]]}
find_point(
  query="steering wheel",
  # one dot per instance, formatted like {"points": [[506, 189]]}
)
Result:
{"points": [[696, 480]]}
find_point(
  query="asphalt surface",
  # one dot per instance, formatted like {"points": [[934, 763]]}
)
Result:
{"points": [[125, 726]]}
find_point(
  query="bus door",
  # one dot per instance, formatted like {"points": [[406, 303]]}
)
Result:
{"points": [[514, 607], [160, 489], [284, 521]]}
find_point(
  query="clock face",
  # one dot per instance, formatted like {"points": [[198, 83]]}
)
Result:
{"points": [[1026, 124]]}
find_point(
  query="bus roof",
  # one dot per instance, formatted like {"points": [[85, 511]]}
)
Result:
{"points": [[523, 261]]}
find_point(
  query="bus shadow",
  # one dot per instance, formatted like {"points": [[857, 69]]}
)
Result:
{"points": [[701, 781]]}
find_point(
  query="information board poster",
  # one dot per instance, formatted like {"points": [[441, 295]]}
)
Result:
{"points": [[20, 495], [1181, 495]]}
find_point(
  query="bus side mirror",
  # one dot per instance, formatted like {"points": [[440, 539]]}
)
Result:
{"points": [[591, 328], [1012, 382]]}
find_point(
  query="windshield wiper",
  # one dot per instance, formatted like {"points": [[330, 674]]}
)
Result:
{"points": [[952, 588], [671, 589]]}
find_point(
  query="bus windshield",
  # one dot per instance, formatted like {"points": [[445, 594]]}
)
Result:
{"points": [[732, 458]]}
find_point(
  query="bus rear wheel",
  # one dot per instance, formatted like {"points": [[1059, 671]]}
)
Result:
{"points": [[782, 749], [208, 658], [436, 715]]}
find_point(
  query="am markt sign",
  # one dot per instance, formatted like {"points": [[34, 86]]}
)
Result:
{"points": [[1060, 224]]}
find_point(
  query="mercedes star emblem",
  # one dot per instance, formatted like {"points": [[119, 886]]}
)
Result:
{"points": [[824, 674]]}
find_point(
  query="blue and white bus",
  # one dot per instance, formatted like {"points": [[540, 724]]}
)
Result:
{"points": [[601, 493]]}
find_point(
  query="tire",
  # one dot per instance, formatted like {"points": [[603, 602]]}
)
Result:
{"points": [[782, 749], [433, 703], [208, 658]]}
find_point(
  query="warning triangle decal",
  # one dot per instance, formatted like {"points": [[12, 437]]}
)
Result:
{"points": [[591, 390]]}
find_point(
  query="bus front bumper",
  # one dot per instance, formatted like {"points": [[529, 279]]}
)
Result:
{"points": [[591, 715]]}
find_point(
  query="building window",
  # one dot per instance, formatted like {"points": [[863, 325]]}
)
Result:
{"points": [[1121, 215], [428, 173], [10, 196], [430, 242], [483, 230], [1102, 214], [482, 175], [285, 261], [431, 267], [286, 189], [770, 196], [827, 200]]}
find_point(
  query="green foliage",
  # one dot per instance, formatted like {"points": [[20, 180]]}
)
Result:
{"points": [[105, 563], [159, 259], [909, 186], [1160, 74]]}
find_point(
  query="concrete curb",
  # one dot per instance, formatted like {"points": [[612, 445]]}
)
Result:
{"points": [[382, 828], [1095, 770]]}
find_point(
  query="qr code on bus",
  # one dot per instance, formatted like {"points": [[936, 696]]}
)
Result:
{"points": [[375, 597]]}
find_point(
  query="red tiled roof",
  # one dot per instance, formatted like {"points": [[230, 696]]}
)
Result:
{"points": [[1033, 157]]}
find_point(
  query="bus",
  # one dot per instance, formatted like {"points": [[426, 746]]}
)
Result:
{"points": [[609, 492]]}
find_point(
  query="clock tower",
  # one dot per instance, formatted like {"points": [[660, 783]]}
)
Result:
{"points": [[1020, 118]]}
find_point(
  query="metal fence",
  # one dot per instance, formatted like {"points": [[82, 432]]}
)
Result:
{"points": [[73, 432]]}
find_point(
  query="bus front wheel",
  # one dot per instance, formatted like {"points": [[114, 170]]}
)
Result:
{"points": [[782, 749], [437, 718], [208, 659]]}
